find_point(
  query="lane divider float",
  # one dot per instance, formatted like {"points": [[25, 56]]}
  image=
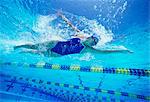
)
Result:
{"points": [[95, 69], [77, 87]]}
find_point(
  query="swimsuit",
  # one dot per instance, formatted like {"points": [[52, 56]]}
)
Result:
{"points": [[68, 47]]}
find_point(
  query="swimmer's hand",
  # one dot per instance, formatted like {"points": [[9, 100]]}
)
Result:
{"points": [[59, 12], [80, 36], [130, 51], [115, 49]]}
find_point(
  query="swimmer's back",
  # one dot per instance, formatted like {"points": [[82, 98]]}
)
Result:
{"points": [[72, 46]]}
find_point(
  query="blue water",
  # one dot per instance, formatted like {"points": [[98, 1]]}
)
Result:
{"points": [[121, 23]]}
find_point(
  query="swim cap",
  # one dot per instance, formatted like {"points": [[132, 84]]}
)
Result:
{"points": [[94, 40]]}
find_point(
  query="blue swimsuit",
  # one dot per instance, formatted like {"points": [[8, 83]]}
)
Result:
{"points": [[68, 47]]}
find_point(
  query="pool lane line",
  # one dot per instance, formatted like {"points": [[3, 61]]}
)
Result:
{"points": [[80, 97], [29, 97], [97, 90], [61, 93], [95, 69]]}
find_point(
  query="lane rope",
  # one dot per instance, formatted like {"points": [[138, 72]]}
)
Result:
{"points": [[95, 69], [77, 87]]}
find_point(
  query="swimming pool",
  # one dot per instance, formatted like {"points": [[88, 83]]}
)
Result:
{"points": [[88, 77]]}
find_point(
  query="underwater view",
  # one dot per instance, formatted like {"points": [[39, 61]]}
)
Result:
{"points": [[74, 51]]}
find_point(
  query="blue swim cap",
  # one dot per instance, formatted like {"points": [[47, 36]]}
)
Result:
{"points": [[95, 35], [94, 39]]}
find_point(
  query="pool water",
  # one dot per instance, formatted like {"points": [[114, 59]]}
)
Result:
{"points": [[32, 77]]}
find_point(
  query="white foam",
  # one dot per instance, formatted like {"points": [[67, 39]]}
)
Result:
{"points": [[46, 32], [7, 45], [14, 42], [87, 57], [93, 27], [42, 24], [105, 36]]}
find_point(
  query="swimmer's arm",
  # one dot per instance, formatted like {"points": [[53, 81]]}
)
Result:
{"points": [[68, 22], [113, 50], [72, 26], [80, 36], [32, 51]]}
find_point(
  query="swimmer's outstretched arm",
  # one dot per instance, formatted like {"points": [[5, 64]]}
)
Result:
{"points": [[32, 51], [113, 50], [28, 46]]}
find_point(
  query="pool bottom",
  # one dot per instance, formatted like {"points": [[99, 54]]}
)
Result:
{"points": [[7, 97], [48, 91]]}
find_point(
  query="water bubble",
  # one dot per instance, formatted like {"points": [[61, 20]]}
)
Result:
{"points": [[114, 1], [95, 7], [87, 57]]}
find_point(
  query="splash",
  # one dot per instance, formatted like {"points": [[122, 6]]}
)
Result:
{"points": [[110, 12], [52, 27], [105, 35], [87, 57], [45, 31], [59, 30]]}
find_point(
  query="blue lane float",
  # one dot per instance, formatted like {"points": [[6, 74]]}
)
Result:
{"points": [[95, 69]]}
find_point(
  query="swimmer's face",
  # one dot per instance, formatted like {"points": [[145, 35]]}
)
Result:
{"points": [[91, 41]]}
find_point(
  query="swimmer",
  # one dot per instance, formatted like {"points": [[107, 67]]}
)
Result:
{"points": [[72, 46]]}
